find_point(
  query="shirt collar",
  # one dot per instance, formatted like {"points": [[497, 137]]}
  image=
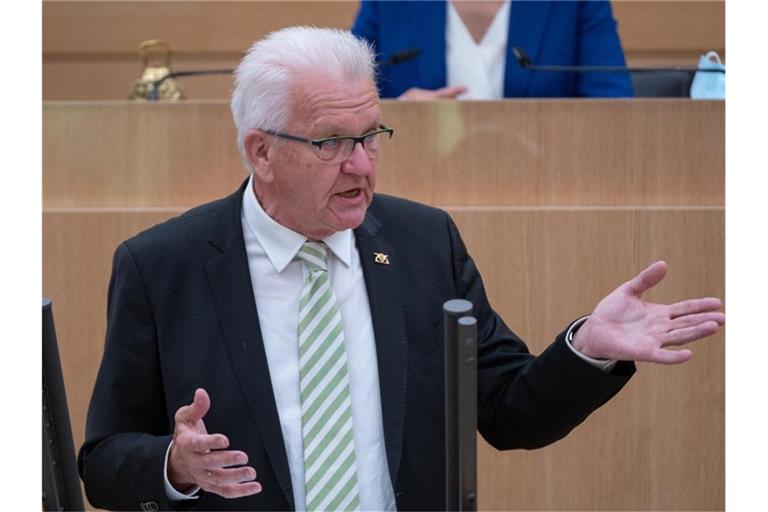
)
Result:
{"points": [[282, 244]]}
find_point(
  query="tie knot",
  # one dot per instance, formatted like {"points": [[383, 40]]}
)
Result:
{"points": [[315, 254]]}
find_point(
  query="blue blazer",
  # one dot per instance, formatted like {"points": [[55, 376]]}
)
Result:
{"points": [[566, 33]]}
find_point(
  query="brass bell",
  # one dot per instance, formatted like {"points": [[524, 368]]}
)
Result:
{"points": [[155, 69]]}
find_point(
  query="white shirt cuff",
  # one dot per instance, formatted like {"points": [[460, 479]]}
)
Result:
{"points": [[172, 493], [604, 364]]}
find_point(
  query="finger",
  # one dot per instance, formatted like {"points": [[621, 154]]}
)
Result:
{"points": [[647, 279], [450, 92], [223, 459], [692, 306], [201, 443], [228, 476], [414, 93], [689, 334], [696, 319], [235, 490], [195, 411], [662, 356]]}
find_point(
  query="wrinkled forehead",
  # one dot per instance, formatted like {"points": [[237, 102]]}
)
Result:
{"points": [[319, 101]]}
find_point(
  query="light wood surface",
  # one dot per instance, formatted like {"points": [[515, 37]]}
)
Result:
{"points": [[90, 48], [522, 152], [546, 256]]}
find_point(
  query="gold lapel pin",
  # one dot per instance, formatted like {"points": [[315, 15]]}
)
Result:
{"points": [[381, 258]]}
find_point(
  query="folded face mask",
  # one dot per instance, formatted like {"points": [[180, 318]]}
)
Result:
{"points": [[707, 85]]}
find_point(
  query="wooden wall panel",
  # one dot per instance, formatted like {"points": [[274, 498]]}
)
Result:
{"points": [[193, 26], [77, 262], [89, 48], [652, 25], [557, 152], [124, 154]]}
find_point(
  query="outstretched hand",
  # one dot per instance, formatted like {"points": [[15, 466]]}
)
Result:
{"points": [[201, 459], [626, 328]]}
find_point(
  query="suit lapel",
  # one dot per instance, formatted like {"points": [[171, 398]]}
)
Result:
{"points": [[385, 298], [527, 21], [228, 278]]}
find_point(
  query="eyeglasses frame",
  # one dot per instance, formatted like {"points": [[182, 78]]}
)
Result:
{"points": [[319, 142]]}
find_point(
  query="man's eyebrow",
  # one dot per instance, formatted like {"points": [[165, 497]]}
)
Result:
{"points": [[337, 131]]}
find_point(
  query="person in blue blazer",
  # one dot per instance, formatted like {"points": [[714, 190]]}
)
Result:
{"points": [[550, 32]]}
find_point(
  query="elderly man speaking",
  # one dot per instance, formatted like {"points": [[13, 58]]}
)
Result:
{"points": [[279, 349]]}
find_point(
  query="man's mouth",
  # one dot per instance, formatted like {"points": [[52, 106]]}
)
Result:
{"points": [[350, 193]]}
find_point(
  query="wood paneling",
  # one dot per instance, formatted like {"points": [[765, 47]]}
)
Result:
{"points": [[192, 26], [670, 25], [556, 152], [77, 261], [90, 48]]}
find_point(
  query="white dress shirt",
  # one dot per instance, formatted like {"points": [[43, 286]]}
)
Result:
{"points": [[479, 67], [278, 277]]}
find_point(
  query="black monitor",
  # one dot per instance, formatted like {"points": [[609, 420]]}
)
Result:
{"points": [[61, 483]]}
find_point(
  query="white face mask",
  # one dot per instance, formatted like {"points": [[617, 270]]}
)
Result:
{"points": [[708, 85]]}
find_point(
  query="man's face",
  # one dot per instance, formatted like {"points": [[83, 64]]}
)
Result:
{"points": [[303, 192]]}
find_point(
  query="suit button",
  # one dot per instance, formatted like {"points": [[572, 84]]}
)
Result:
{"points": [[149, 506]]}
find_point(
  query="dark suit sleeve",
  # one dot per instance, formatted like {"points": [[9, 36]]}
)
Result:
{"points": [[127, 430], [526, 401], [599, 45]]}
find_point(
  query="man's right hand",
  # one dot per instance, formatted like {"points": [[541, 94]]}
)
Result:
{"points": [[201, 459]]}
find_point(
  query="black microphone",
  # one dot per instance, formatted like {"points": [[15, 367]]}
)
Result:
{"points": [[525, 62], [400, 57], [157, 83]]}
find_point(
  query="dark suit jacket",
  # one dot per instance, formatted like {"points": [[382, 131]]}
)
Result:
{"points": [[182, 315], [564, 33]]}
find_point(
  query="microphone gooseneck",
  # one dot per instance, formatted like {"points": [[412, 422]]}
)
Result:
{"points": [[525, 62]]}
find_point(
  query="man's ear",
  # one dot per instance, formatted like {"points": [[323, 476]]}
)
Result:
{"points": [[257, 151]]}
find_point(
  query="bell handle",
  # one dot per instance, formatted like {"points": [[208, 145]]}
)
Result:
{"points": [[155, 43]]}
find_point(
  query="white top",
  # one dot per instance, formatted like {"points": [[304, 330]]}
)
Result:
{"points": [[479, 67]]}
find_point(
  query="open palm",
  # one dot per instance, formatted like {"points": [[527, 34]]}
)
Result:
{"points": [[625, 327]]}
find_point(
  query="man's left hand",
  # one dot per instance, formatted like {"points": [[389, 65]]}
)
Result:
{"points": [[624, 327]]}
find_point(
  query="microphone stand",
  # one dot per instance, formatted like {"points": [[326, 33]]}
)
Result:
{"points": [[525, 63], [156, 85]]}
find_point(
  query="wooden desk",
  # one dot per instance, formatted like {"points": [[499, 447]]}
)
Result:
{"points": [[558, 201]]}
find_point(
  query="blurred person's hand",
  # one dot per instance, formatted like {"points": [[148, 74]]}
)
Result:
{"points": [[444, 93]]}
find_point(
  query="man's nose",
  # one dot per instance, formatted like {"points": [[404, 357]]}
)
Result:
{"points": [[358, 162]]}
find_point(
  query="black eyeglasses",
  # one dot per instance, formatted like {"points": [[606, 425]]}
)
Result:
{"points": [[338, 148]]}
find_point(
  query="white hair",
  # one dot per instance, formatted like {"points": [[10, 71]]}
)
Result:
{"points": [[264, 77]]}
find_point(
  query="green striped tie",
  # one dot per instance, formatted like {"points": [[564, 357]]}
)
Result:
{"points": [[330, 471]]}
